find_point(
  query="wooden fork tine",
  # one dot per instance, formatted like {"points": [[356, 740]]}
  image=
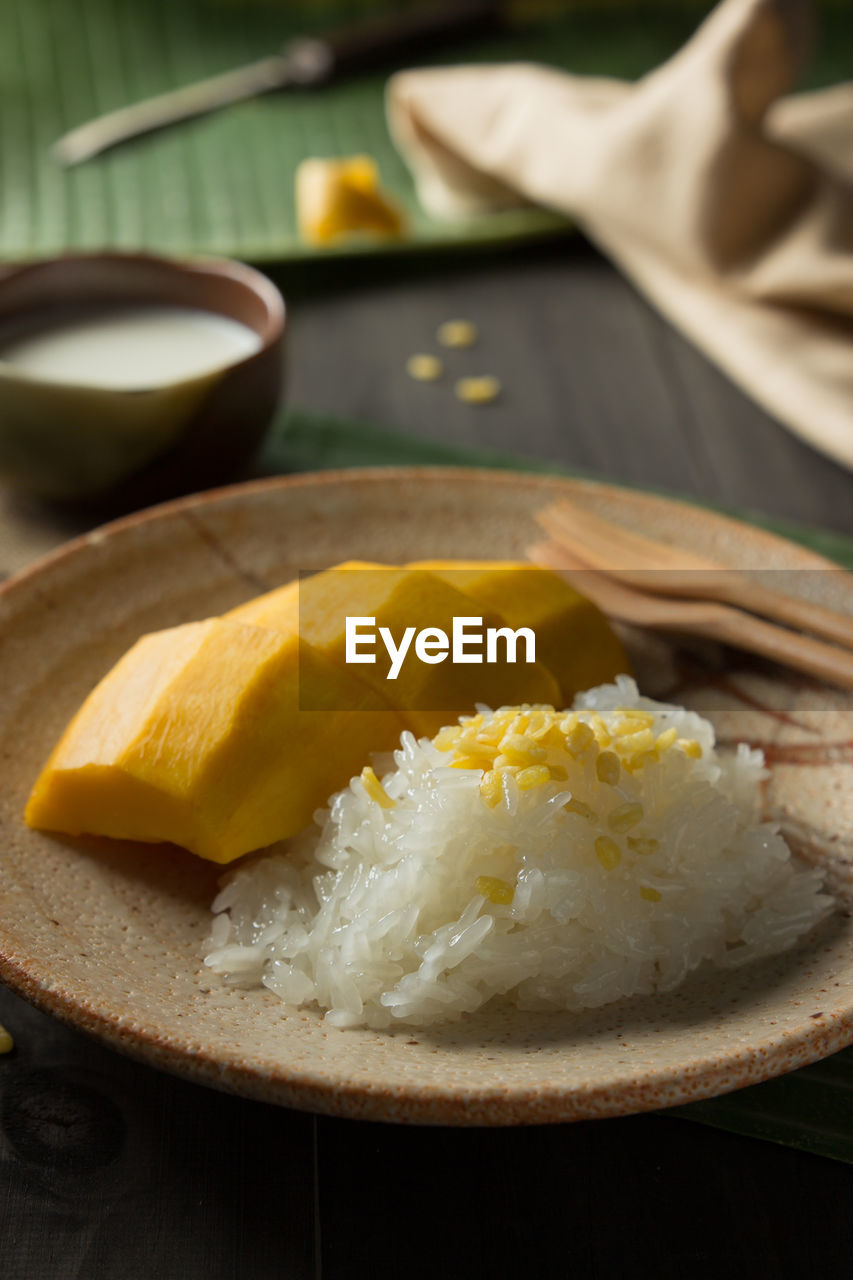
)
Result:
{"points": [[661, 569], [613, 546], [720, 622]]}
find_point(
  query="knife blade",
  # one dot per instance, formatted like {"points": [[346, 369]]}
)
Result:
{"points": [[303, 62]]}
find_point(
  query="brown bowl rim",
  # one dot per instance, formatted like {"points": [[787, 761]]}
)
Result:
{"points": [[254, 280]]}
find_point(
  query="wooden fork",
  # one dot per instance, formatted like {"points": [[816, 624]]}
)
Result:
{"points": [[720, 622], [663, 569]]}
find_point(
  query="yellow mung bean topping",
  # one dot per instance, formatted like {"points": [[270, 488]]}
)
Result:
{"points": [[533, 742], [490, 787], [625, 816], [582, 810], [496, 890], [535, 775], [375, 789], [636, 713], [519, 749], [633, 743], [650, 894], [554, 737], [475, 748], [608, 852], [466, 762], [644, 845], [579, 738], [639, 760], [445, 738], [608, 768], [538, 723]]}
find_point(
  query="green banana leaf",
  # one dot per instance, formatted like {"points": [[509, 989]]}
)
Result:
{"points": [[223, 184], [305, 441]]}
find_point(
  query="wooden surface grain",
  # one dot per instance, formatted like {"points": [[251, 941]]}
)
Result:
{"points": [[592, 377], [112, 1171]]}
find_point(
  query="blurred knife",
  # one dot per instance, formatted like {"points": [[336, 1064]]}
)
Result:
{"points": [[304, 62]]}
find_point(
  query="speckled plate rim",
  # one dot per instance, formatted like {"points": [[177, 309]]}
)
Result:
{"points": [[504, 1106], [554, 485], [433, 1103]]}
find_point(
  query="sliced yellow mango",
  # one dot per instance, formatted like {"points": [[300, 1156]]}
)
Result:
{"points": [[426, 696], [225, 735], [573, 638], [197, 737], [278, 609], [336, 198]]}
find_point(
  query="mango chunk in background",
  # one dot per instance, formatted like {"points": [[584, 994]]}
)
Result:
{"points": [[343, 197], [426, 696], [574, 640], [196, 736]]}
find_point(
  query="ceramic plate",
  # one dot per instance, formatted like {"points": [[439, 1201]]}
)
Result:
{"points": [[109, 936]]}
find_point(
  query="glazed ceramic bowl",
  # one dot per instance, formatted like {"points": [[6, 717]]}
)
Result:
{"points": [[76, 441], [110, 935]]}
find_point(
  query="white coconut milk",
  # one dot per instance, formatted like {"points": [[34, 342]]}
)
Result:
{"points": [[132, 348]]}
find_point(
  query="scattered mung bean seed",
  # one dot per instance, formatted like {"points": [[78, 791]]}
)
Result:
{"points": [[457, 333], [424, 368], [481, 390]]}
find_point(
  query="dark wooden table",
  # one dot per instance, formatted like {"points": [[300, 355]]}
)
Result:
{"points": [[113, 1171]]}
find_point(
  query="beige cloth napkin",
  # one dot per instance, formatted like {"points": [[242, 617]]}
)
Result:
{"points": [[728, 205]]}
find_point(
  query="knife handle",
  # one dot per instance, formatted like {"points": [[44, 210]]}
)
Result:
{"points": [[401, 34]]}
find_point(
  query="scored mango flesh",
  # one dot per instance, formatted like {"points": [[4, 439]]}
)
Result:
{"points": [[196, 736], [425, 696], [226, 735], [573, 639]]}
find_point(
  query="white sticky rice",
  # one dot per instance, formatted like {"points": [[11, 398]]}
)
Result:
{"points": [[377, 914]]}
